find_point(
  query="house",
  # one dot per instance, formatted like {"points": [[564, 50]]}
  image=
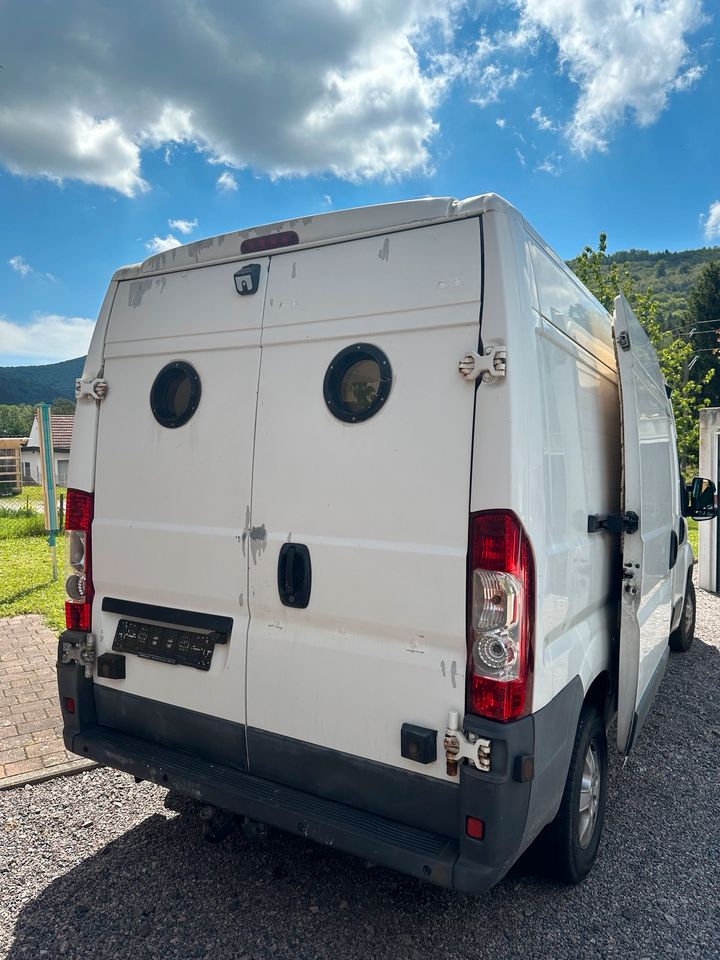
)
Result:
{"points": [[62, 428]]}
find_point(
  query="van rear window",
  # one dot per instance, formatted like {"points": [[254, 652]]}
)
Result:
{"points": [[357, 383], [175, 394]]}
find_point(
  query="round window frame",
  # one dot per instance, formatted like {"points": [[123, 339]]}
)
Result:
{"points": [[172, 423], [339, 367]]}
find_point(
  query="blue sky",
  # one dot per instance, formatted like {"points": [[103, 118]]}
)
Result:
{"points": [[128, 127]]}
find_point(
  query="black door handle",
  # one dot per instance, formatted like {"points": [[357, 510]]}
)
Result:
{"points": [[294, 575], [673, 548]]}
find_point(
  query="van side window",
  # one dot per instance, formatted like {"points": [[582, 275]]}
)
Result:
{"points": [[565, 304]]}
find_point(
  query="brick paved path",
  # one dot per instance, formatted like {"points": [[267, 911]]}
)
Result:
{"points": [[31, 746]]}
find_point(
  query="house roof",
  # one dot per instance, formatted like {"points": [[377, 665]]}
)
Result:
{"points": [[62, 428]]}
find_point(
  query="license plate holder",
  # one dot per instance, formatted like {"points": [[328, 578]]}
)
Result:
{"points": [[173, 645]]}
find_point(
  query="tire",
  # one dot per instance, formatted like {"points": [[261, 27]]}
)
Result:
{"points": [[573, 837], [682, 637]]}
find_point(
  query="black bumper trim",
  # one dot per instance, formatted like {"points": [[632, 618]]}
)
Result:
{"points": [[422, 854]]}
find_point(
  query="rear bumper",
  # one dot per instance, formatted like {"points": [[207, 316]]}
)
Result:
{"points": [[332, 803]]}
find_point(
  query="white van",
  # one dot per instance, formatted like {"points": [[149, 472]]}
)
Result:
{"points": [[349, 550]]}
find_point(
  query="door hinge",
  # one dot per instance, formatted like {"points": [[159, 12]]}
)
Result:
{"points": [[487, 366], [460, 747], [623, 340], [90, 389], [614, 522], [81, 652]]}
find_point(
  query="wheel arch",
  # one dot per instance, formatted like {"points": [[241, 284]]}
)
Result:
{"points": [[600, 695]]}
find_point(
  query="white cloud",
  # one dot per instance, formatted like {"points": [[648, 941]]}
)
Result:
{"points": [[348, 87], [183, 226], [21, 266], [544, 123], [626, 58], [521, 157], [226, 181], [712, 221], [687, 80], [501, 122], [327, 200], [551, 165], [47, 338], [493, 79], [161, 244]]}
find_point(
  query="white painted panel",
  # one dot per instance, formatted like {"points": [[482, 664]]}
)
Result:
{"points": [[181, 304], [650, 491], [171, 505], [381, 505]]}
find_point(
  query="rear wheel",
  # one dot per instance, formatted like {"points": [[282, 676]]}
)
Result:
{"points": [[682, 637], [573, 837]]}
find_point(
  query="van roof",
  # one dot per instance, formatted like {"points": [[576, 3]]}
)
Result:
{"points": [[318, 229]]}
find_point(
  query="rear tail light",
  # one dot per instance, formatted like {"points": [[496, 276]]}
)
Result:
{"points": [[501, 603], [78, 582]]}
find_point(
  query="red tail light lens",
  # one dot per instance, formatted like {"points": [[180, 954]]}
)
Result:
{"points": [[501, 605], [78, 582]]}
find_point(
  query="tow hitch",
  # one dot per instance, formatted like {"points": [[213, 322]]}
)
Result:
{"points": [[219, 824]]}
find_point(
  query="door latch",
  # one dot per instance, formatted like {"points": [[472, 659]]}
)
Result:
{"points": [[492, 363], [247, 279], [614, 522]]}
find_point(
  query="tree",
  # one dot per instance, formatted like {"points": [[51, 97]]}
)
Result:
{"points": [[63, 406], [16, 419], [675, 353], [704, 316]]}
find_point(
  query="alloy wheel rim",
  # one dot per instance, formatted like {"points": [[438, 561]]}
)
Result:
{"points": [[589, 795], [688, 614]]}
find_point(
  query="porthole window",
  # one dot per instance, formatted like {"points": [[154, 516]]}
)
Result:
{"points": [[357, 383], [175, 394]]}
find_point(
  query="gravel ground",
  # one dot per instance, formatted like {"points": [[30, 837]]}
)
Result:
{"points": [[94, 866]]}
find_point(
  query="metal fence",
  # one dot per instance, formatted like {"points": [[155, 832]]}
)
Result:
{"points": [[22, 516]]}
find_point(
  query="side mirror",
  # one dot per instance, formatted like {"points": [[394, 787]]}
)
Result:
{"points": [[701, 497]]}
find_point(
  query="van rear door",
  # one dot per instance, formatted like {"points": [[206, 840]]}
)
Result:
{"points": [[172, 501], [357, 587], [649, 492]]}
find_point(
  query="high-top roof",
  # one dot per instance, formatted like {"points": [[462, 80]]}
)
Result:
{"points": [[322, 228]]}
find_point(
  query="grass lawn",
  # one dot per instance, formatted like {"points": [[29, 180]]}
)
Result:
{"points": [[26, 584], [693, 535]]}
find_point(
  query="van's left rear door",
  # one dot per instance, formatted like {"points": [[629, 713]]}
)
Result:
{"points": [[171, 503]]}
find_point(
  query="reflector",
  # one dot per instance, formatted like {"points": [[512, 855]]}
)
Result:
{"points": [[475, 828]]}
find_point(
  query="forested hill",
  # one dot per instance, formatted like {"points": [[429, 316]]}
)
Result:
{"points": [[41, 384], [670, 274]]}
